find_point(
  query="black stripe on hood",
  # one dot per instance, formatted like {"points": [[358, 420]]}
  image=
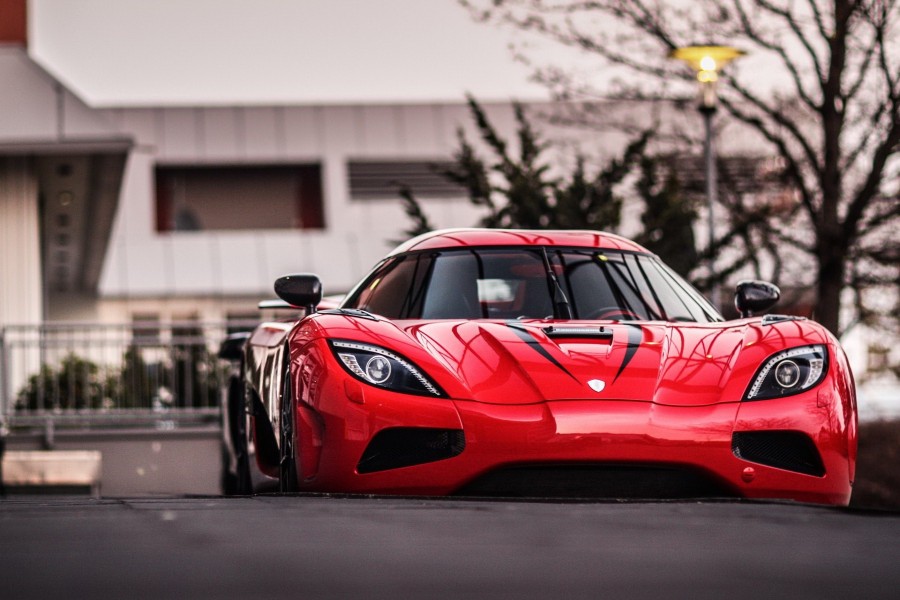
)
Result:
{"points": [[529, 339], [635, 335]]}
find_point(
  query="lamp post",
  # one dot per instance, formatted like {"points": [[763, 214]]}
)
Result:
{"points": [[706, 62]]}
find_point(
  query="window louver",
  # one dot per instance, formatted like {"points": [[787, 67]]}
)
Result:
{"points": [[383, 179]]}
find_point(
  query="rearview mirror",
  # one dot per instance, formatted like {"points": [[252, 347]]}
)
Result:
{"points": [[303, 290], [755, 296]]}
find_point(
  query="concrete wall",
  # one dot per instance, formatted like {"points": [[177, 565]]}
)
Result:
{"points": [[20, 252], [144, 462]]}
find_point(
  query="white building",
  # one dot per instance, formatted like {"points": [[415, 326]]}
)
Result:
{"points": [[172, 213], [190, 213]]}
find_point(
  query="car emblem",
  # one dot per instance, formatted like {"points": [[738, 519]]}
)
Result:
{"points": [[597, 385]]}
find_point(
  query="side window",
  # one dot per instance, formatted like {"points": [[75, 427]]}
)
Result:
{"points": [[395, 291], [678, 305]]}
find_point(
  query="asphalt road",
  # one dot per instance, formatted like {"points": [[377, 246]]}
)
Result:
{"points": [[398, 548]]}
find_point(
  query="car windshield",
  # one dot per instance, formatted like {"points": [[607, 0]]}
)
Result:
{"points": [[513, 283]]}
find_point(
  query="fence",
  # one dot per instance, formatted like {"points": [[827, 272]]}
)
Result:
{"points": [[90, 375]]}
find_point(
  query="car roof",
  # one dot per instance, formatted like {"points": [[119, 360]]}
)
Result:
{"points": [[466, 238]]}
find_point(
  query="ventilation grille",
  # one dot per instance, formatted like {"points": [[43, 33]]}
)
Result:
{"points": [[789, 450], [383, 179], [407, 446]]}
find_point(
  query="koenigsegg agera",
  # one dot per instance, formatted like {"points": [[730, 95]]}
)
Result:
{"points": [[539, 363]]}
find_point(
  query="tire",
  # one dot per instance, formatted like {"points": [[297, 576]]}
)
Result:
{"points": [[287, 466], [237, 483], [243, 482], [229, 479]]}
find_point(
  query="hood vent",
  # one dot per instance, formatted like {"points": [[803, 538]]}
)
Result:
{"points": [[597, 333]]}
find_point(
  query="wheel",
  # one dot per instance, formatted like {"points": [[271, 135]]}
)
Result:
{"points": [[243, 481], [611, 313], [287, 466], [235, 458]]}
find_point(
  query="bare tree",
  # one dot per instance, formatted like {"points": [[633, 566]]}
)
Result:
{"points": [[835, 122]]}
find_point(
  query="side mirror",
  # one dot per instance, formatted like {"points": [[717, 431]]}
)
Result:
{"points": [[754, 297], [232, 347], [300, 289]]}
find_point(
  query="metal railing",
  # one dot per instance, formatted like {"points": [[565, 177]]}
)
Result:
{"points": [[99, 375]]}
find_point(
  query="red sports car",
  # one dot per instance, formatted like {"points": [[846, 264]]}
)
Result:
{"points": [[539, 363]]}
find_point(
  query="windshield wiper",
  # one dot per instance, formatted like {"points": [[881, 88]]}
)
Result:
{"points": [[561, 307]]}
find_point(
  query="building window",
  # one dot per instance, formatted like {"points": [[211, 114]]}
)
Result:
{"points": [[382, 179], [145, 327], [239, 197]]}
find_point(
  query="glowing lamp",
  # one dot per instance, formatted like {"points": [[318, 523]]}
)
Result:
{"points": [[707, 61]]}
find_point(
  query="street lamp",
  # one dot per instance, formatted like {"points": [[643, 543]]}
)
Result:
{"points": [[707, 61]]}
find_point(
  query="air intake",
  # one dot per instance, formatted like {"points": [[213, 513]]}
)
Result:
{"points": [[627, 481], [407, 446], [788, 450]]}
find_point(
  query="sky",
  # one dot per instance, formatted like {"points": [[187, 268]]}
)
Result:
{"points": [[183, 52]]}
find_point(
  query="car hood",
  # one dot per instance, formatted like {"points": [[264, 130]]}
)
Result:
{"points": [[520, 362], [664, 363]]}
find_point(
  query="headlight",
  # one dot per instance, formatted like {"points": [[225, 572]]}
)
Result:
{"points": [[789, 372], [382, 368]]}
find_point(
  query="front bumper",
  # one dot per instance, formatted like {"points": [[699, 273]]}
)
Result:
{"points": [[568, 434]]}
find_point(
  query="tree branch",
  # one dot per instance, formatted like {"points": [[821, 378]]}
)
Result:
{"points": [[793, 170], [869, 189], [778, 117], [801, 36], [755, 35]]}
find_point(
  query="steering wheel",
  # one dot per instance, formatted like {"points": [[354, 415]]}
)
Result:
{"points": [[611, 313]]}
